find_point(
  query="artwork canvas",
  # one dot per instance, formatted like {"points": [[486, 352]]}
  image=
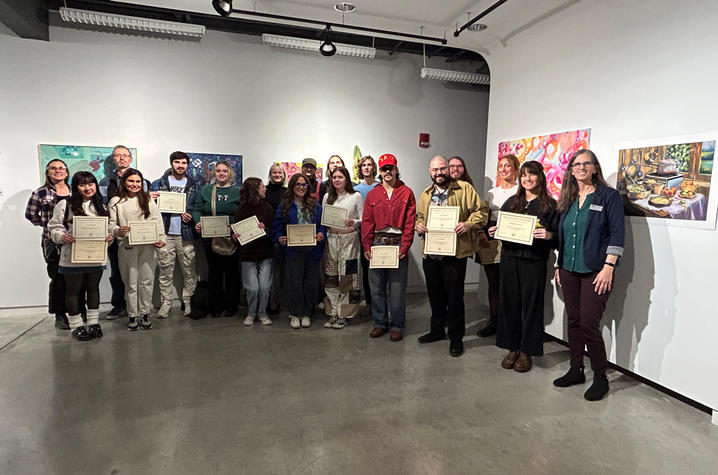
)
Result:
{"points": [[97, 160], [553, 151], [201, 166], [293, 168]]}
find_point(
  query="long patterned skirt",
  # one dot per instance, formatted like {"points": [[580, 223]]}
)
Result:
{"points": [[342, 283]]}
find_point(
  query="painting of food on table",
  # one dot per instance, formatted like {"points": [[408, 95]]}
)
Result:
{"points": [[670, 181]]}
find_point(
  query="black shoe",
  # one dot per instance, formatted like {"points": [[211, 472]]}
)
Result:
{"points": [[132, 324], [116, 312], [598, 389], [94, 331], [230, 312], [61, 321], [456, 348], [145, 322], [431, 337], [572, 377], [488, 330], [80, 334]]}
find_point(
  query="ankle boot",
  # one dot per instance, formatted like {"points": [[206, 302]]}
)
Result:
{"points": [[598, 389], [572, 377], [489, 329]]}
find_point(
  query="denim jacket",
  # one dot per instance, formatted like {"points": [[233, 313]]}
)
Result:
{"points": [[279, 229], [191, 190]]}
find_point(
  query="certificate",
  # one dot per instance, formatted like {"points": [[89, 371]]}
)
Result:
{"points": [[89, 227], [442, 218], [248, 230], [89, 252], [301, 235], [440, 243], [334, 216], [384, 257], [514, 227], [143, 232], [491, 254], [171, 202], [215, 226]]}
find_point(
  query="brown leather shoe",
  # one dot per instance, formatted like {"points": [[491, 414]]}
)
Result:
{"points": [[523, 363], [377, 332], [510, 360], [396, 335]]}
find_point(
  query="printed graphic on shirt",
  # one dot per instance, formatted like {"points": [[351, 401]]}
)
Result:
{"points": [[438, 198]]}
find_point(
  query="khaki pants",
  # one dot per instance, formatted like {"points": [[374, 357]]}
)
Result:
{"points": [[183, 251], [137, 267]]}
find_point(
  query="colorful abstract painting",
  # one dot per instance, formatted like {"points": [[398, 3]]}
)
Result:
{"points": [[293, 168], [201, 166], [97, 160], [552, 150]]}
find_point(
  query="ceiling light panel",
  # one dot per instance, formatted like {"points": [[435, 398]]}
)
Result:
{"points": [[455, 76], [313, 45], [124, 22]]}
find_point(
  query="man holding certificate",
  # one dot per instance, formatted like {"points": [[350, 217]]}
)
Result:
{"points": [[175, 193], [447, 211]]}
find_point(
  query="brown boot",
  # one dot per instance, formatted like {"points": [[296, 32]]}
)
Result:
{"points": [[523, 363], [510, 360]]}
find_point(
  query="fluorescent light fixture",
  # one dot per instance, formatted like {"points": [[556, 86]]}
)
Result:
{"points": [[125, 22], [313, 45], [455, 76]]}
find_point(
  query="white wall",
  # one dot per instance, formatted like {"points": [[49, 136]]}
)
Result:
{"points": [[629, 70], [227, 94]]}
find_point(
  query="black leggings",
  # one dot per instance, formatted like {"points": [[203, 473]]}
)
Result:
{"points": [[75, 283]]}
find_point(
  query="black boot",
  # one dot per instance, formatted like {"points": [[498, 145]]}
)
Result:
{"points": [[490, 329], [572, 377], [61, 321], [598, 389]]}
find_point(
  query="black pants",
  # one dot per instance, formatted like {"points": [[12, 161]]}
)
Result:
{"points": [[445, 286], [301, 275], [365, 277], [118, 288], [77, 285], [56, 294], [225, 284], [521, 290]]}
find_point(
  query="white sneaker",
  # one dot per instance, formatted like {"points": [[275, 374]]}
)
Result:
{"points": [[294, 322], [306, 321], [187, 308], [265, 320], [340, 323], [248, 321], [330, 323], [164, 310]]}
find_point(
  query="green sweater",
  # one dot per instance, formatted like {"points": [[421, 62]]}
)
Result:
{"points": [[227, 202]]}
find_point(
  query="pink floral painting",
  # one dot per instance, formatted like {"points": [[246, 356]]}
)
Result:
{"points": [[296, 167], [553, 151]]}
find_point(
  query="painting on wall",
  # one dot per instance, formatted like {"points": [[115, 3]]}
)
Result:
{"points": [[97, 160], [201, 166], [292, 168], [552, 150], [668, 179]]}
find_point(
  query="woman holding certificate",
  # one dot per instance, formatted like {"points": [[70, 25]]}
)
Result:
{"points": [[136, 221], [342, 207], [591, 239], [298, 230], [253, 217], [82, 270], [219, 198], [523, 269]]}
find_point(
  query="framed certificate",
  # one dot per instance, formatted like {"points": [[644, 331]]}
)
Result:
{"points": [[89, 227], [442, 218], [248, 230], [89, 252], [215, 226], [301, 234], [143, 232], [491, 254], [384, 257], [440, 243], [334, 216], [514, 227], [171, 202]]}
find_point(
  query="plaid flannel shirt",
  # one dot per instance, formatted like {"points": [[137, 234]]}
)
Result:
{"points": [[40, 207]]}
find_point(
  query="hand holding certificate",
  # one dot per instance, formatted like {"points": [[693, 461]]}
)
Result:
{"points": [[143, 232], [515, 227], [248, 230], [384, 257], [301, 235], [170, 202], [334, 216], [215, 226]]}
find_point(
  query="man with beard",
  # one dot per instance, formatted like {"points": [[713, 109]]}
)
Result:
{"points": [[445, 274], [309, 170]]}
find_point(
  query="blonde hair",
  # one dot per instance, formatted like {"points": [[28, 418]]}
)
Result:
{"points": [[231, 172], [281, 167]]}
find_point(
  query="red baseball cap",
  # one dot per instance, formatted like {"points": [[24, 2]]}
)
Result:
{"points": [[387, 159]]}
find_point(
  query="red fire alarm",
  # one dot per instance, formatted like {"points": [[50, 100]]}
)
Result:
{"points": [[424, 140]]}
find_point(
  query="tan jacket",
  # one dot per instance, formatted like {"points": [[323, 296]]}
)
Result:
{"points": [[472, 212]]}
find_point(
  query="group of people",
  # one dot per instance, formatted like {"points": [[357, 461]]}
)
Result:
{"points": [[586, 226]]}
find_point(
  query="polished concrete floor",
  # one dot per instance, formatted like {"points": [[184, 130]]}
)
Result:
{"points": [[212, 396]]}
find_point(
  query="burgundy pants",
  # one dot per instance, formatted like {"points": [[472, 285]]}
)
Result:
{"points": [[584, 309]]}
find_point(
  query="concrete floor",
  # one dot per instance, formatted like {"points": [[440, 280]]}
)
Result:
{"points": [[212, 396]]}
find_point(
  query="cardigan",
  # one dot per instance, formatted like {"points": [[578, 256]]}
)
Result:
{"points": [[279, 229]]}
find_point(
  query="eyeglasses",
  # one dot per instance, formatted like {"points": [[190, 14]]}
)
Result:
{"points": [[121, 155], [454, 167], [57, 169], [387, 168], [436, 170], [300, 185], [577, 165]]}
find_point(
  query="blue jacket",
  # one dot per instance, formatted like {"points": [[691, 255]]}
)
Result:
{"points": [[605, 229], [191, 190], [279, 229]]}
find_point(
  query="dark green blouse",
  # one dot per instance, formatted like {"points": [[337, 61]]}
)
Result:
{"points": [[574, 230]]}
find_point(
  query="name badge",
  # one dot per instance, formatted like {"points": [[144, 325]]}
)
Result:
{"points": [[596, 208]]}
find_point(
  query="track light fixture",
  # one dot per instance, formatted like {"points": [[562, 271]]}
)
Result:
{"points": [[223, 7], [327, 48]]}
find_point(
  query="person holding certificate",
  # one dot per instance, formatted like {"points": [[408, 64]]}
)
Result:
{"points": [[368, 172], [255, 257], [591, 240], [523, 271], [134, 207], [341, 258], [297, 229], [224, 280], [450, 210], [81, 278], [388, 220], [179, 232]]}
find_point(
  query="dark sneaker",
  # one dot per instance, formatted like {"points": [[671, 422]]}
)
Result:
{"points": [[132, 324], [488, 330], [598, 389], [80, 334], [61, 321], [145, 322], [115, 313], [572, 377], [94, 331], [456, 347], [431, 337]]}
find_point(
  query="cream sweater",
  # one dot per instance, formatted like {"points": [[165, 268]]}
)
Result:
{"points": [[56, 228], [122, 211]]}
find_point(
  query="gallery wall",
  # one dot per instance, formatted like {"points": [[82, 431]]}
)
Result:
{"points": [[629, 71], [226, 94]]}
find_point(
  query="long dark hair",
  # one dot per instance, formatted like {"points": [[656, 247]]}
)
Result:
{"points": [[333, 194], [249, 193], [545, 201], [308, 202], [143, 198], [465, 177], [569, 187], [48, 182], [76, 199]]}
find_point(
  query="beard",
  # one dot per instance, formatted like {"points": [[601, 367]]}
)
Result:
{"points": [[441, 180]]}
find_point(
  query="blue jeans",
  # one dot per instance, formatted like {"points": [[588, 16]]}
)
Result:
{"points": [[395, 281], [257, 280]]}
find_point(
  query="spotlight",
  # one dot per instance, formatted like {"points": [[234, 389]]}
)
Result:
{"points": [[327, 48], [223, 7]]}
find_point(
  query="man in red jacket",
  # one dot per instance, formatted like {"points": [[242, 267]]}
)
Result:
{"points": [[388, 220]]}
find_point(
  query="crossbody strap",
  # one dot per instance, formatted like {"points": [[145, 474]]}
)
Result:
{"points": [[214, 200]]}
